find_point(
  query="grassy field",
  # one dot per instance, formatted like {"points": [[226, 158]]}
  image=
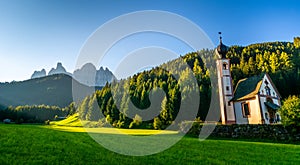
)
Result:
{"points": [[36, 144]]}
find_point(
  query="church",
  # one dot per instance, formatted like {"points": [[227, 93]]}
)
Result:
{"points": [[255, 100]]}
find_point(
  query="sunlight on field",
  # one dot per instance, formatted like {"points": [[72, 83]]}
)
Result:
{"points": [[73, 124], [112, 130]]}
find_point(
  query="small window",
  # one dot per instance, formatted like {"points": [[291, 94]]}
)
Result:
{"points": [[266, 82], [225, 66], [268, 91], [229, 104], [267, 116], [227, 88], [246, 110], [277, 118]]}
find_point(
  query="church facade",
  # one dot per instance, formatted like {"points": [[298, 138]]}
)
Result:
{"points": [[255, 100]]}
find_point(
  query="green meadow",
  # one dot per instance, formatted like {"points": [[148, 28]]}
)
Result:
{"points": [[39, 144]]}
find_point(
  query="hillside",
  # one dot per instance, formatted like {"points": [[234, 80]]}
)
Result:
{"points": [[280, 59], [50, 90]]}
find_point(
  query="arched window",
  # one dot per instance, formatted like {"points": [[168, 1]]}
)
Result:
{"points": [[225, 66], [267, 116], [277, 118], [268, 91], [269, 99]]}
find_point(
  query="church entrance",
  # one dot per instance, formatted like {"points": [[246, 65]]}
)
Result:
{"points": [[272, 108], [272, 115]]}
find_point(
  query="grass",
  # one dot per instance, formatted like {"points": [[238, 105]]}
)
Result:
{"points": [[36, 144]]}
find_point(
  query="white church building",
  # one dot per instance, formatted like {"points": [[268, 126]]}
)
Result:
{"points": [[255, 100]]}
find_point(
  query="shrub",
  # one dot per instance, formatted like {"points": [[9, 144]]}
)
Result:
{"points": [[6, 121], [47, 122], [290, 111], [137, 120]]}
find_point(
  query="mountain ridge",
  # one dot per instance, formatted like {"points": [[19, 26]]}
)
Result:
{"points": [[87, 74]]}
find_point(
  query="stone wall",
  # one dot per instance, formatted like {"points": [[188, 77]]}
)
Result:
{"points": [[277, 133]]}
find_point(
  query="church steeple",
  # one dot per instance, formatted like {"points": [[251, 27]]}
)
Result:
{"points": [[225, 84], [222, 49]]}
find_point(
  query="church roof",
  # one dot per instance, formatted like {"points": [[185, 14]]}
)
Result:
{"points": [[247, 88]]}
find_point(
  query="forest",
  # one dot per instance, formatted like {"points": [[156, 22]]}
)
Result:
{"points": [[113, 102]]}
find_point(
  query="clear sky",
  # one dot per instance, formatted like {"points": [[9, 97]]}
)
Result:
{"points": [[36, 34]]}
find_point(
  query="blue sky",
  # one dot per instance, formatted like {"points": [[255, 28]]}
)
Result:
{"points": [[36, 34]]}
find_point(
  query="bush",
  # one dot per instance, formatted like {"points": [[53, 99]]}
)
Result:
{"points": [[6, 121], [290, 111], [19, 121], [47, 122], [137, 120], [157, 124]]}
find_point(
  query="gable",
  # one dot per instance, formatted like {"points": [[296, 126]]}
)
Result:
{"points": [[268, 83]]}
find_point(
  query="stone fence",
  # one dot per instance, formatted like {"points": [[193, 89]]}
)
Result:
{"points": [[276, 133]]}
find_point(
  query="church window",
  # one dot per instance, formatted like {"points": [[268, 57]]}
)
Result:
{"points": [[227, 88], [268, 91], [246, 109], [277, 118], [266, 82], [225, 66], [269, 99], [267, 116]]}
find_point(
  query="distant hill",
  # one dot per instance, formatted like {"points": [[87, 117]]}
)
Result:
{"points": [[49, 90]]}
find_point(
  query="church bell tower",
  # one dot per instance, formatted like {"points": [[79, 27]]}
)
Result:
{"points": [[225, 85]]}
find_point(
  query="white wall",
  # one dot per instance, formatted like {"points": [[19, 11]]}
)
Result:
{"points": [[255, 115], [224, 80]]}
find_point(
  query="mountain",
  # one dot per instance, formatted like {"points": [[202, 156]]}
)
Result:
{"points": [[58, 70], [49, 90], [87, 74], [38, 74]]}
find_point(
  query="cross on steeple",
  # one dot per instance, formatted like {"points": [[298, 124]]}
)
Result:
{"points": [[220, 33], [222, 49]]}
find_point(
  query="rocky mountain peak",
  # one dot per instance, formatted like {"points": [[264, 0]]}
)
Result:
{"points": [[37, 74], [87, 74], [58, 70]]}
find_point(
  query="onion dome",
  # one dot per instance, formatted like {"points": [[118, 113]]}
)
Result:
{"points": [[222, 49]]}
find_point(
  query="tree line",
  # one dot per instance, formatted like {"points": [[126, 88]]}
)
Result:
{"points": [[137, 89], [35, 113]]}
